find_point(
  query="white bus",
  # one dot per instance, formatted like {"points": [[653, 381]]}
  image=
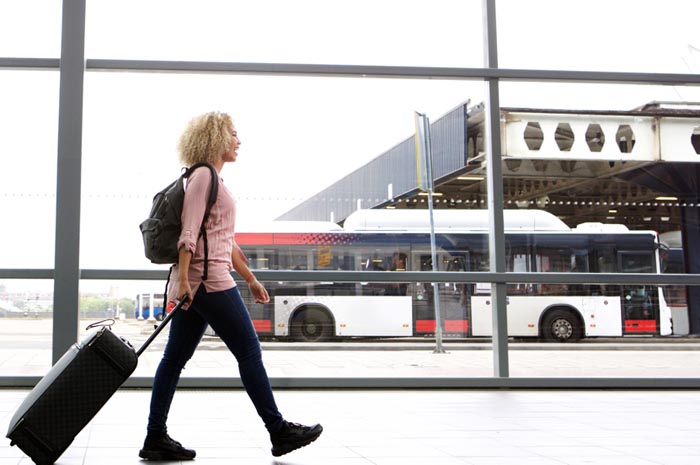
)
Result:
{"points": [[396, 240]]}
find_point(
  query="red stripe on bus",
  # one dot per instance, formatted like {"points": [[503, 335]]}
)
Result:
{"points": [[640, 326], [278, 238], [262, 326], [450, 326], [253, 238], [425, 326], [321, 238]]}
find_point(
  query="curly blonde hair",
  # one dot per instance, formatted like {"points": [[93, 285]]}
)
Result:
{"points": [[206, 138]]}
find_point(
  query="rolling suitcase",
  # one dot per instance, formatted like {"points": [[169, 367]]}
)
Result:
{"points": [[65, 400]]}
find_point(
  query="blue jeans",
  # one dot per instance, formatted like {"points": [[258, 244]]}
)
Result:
{"points": [[226, 313]]}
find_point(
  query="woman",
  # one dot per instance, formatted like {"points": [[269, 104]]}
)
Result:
{"points": [[216, 301]]}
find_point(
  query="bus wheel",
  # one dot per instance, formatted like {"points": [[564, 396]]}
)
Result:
{"points": [[561, 326], [311, 325]]}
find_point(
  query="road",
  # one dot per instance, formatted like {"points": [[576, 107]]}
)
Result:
{"points": [[35, 334], [25, 349]]}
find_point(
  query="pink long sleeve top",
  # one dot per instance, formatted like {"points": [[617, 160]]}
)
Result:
{"points": [[220, 234]]}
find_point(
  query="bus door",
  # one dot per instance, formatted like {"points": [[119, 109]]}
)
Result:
{"points": [[640, 303], [676, 296], [453, 296]]}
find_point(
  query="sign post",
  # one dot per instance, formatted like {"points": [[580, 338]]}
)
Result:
{"points": [[424, 172]]}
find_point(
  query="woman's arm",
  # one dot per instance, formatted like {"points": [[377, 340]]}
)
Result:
{"points": [[183, 284], [240, 264]]}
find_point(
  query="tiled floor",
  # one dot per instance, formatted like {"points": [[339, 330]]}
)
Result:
{"points": [[392, 427]]}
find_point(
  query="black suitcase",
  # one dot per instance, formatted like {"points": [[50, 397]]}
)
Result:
{"points": [[65, 400]]}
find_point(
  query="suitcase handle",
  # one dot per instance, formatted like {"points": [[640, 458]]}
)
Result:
{"points": [[162, 325]]}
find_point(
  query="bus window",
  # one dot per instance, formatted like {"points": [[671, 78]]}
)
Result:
{"points": [[399, 262], [458, 263], [261, 259], [386, 258], [374, 260], [672, 261], [554, 260], [605, 260], [636, 262], [332, 258], [519, 262], [580, 262]]}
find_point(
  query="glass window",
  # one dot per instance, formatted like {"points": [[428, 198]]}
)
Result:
{"points": [[26, 325], [28, 116], [436, 33], [298, 136], [302, 134], [597, 35], [30, 29]]}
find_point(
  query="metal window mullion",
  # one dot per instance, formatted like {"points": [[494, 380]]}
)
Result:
{"points": [[387, 277], [68, 178], [361, 71], [391, 72], [494, 181], [51, 64]]}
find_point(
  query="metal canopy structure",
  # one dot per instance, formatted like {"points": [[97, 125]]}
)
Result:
{"points": [[590, 166]]}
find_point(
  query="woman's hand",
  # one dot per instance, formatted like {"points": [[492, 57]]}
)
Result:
{"points": [[184, 289], [258, 290]]}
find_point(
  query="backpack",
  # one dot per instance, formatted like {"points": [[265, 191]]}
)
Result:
{"points": [[161, 230]]}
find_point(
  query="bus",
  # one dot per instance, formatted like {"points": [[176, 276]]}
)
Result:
{"points": [[145, 302], [397, 240]]}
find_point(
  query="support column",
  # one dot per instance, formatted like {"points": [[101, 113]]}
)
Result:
{"points": [[70, 133]]}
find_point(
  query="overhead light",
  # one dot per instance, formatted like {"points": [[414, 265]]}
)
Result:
{"points": [[665, 218], [647, 218], [666, 198], [612, 211], [436, 194], [470, 178]]}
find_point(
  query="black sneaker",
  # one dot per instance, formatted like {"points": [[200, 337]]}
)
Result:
{"points": [[165, 448], [293, 436]]}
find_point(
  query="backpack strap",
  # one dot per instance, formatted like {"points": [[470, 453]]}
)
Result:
{"points": [[213, 193]]}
